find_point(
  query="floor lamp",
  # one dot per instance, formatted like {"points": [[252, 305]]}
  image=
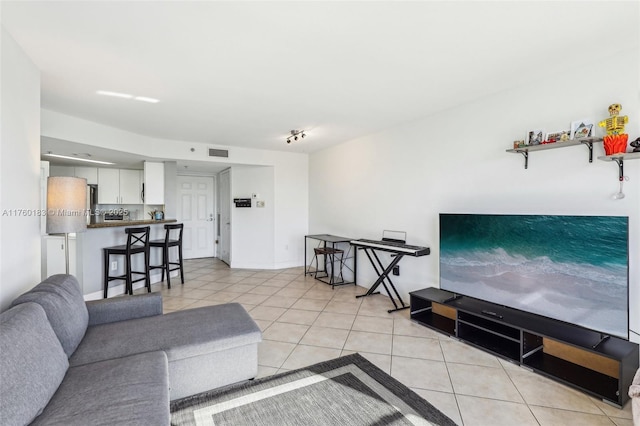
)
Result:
{"points": [[66, 208]]}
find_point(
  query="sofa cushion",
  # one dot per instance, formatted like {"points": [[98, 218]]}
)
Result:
{"points": [[180, 334], [62, 300], [132, 391], [32, 364], [103, 311]]}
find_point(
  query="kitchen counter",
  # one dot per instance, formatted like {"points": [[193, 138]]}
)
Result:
{"points": [[90, 253], [129, 223]]}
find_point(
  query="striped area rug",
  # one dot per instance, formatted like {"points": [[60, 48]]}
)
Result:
{"points": [[344, 391]]}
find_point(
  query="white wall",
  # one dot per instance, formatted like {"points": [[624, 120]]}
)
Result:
{"points": [[252, 239], [455, 161], [289, 181], [291, 199], [20, 172]]}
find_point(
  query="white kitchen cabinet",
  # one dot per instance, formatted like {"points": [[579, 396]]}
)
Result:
{"points": [[153, 183], [119, 186], [89, 173], [55, 170], [54, 255], [108, 186], [130, 186]]}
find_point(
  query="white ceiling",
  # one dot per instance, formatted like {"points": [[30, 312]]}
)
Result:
{"points": [[245, 73]]}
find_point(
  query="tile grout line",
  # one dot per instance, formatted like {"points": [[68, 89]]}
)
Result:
{"points": [[208, 274]]}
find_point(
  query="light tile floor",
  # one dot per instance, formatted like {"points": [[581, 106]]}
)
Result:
{"points": [[304, 322]]}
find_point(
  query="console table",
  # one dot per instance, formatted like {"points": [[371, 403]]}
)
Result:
{"points": [[326, 240], [600, 365]]}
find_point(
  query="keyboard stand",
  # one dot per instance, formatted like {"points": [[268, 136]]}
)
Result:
{"points": [[383, 275]]}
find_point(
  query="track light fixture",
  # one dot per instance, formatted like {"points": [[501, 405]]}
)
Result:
{"points": [[295, 134]]}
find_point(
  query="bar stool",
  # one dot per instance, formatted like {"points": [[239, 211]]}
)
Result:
{"points": [[165, 245], [137, 243], [330, 254]]}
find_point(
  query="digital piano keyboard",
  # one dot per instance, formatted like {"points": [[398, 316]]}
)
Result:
{"points": [[392, 246]]}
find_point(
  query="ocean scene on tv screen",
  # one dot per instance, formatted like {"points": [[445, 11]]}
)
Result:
{"points": [[571, 268]]}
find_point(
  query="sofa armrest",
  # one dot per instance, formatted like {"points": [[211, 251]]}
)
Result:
{"points": [[105, 311], [634, 389]]}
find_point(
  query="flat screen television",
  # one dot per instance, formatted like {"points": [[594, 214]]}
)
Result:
{"points": [[570, 268]]}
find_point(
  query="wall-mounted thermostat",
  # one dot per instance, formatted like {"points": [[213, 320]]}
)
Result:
{"points": [[242, 202]]}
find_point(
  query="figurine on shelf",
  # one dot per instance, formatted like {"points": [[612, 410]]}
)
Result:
{"points": [[614, 125], [636, 145], [615, 142]]}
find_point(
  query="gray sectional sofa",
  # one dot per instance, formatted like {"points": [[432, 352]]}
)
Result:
{"points": [[114, 361], [634, 393]]}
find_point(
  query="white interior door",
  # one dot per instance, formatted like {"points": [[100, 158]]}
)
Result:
{"points": [[196, 207], [224, 248]]}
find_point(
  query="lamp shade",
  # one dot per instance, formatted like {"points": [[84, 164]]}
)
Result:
{"points": [[66, 205]]}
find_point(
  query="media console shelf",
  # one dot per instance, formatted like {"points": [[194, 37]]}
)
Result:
{"points": [[600, 365]]}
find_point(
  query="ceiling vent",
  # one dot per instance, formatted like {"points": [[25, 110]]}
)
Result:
{"points": [[218, 153]]}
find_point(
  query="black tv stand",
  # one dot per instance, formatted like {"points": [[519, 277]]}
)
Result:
{"points": [[492, 314], [555, 349]]}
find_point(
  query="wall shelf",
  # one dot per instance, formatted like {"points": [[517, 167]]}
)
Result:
{"points": [[525, 150], [619, 158], [600, 365]]}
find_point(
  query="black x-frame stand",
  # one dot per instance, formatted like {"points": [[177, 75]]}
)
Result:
{"points": [[383, 275]]}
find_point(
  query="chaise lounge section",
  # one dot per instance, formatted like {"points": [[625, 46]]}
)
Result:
{"points": [[117, 360], [634, 393]]}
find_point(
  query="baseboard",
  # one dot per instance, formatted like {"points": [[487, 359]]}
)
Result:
{"points": [[270, 266], [289, 264]]}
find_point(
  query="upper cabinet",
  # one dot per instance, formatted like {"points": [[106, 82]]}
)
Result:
{"points": [[55, 170], [108, 186], [130, 186], [89, 173], [119, 186], [153, 183]]}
